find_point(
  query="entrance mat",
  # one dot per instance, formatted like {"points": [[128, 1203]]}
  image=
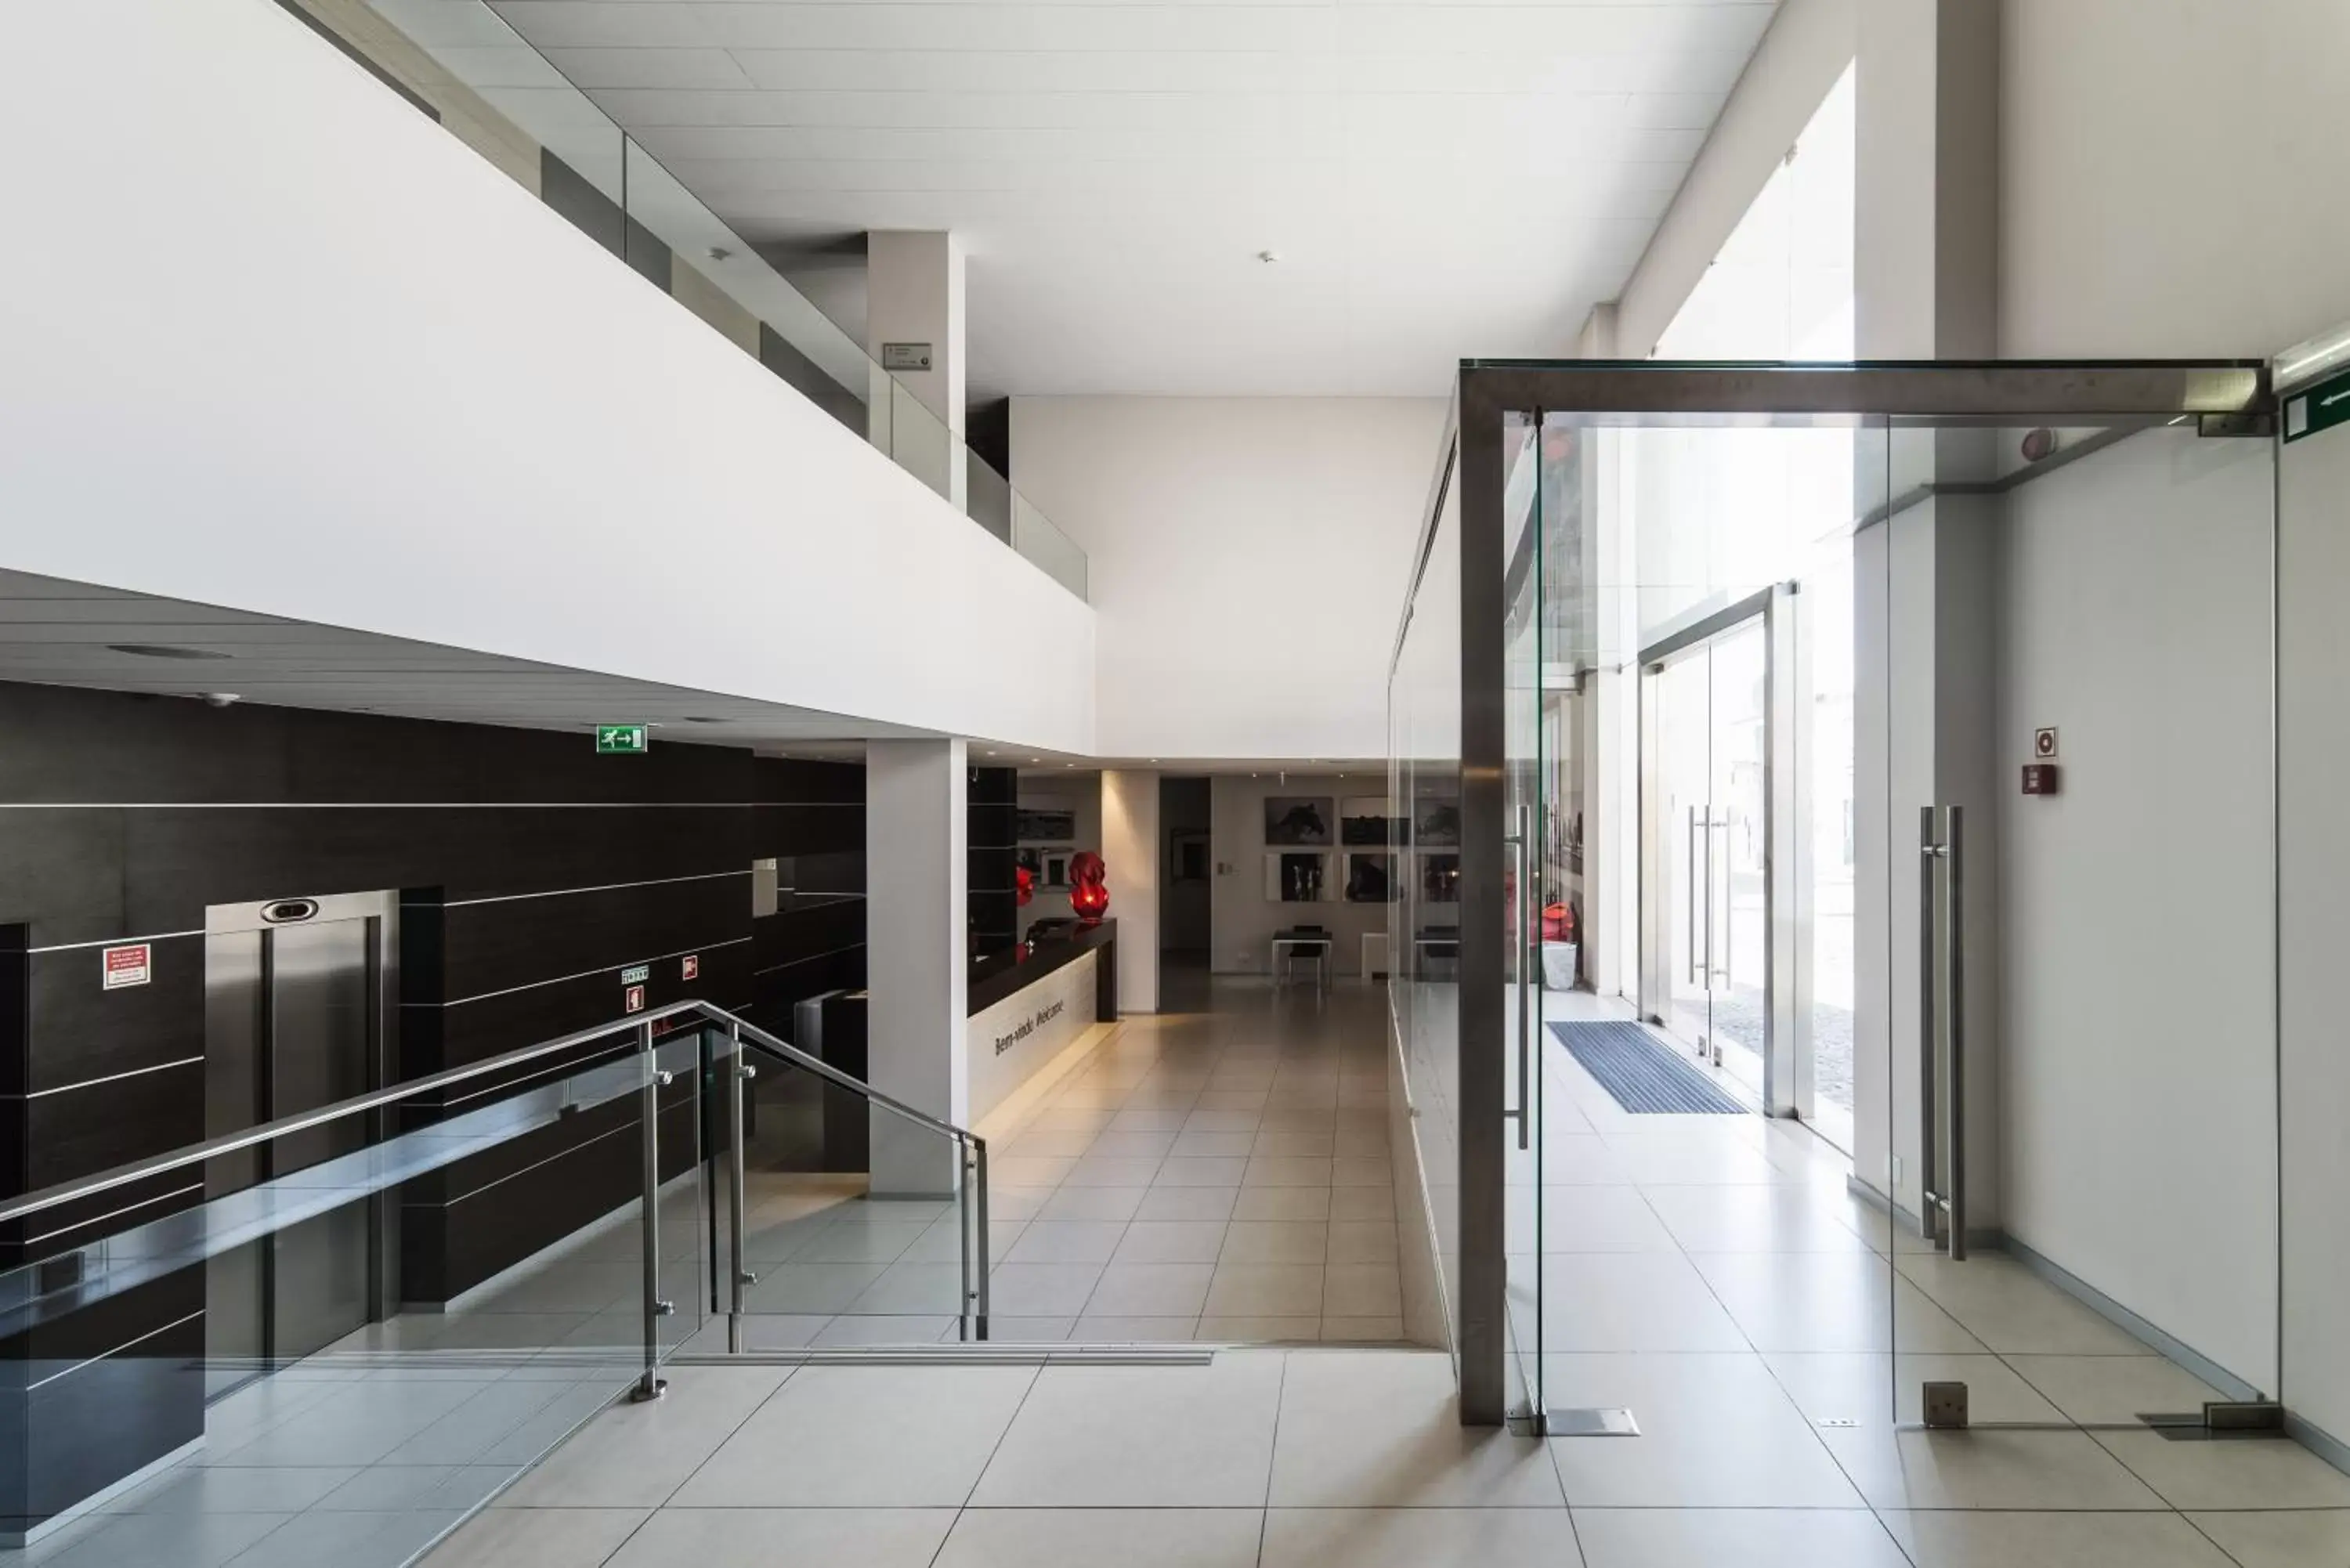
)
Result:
{"points": [[1646, 1076]]}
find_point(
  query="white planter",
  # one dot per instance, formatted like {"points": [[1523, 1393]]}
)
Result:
{"points": [[1559, 965]]}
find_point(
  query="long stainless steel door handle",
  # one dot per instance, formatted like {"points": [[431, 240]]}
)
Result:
{"points": [[1929, 1068], [1954, 945], [1696, 859], [1525, 894], [1729, 904]]}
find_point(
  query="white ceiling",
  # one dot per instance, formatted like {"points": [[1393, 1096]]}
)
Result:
{"points": [[1441, 178], [59, 633]]}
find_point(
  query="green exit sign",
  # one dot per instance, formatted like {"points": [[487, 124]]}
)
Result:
{"points": [[2323, 406], [622, 740]]}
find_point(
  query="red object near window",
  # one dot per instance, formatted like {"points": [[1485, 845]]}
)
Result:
{"points": [[1558, 923], [1025, 880], [1089, 886]]}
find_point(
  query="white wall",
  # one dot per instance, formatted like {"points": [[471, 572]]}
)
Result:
{"points": [[369, 381], [917, 814], [2135, 936], [2129, 227], [1241, 919], [1131, 850], [2313, 893], [1247, 556]]}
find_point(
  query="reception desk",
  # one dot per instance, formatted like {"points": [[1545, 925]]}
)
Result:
{"points": [[1027, 1008]]}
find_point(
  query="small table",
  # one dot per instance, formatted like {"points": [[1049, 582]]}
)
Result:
{"points": [[1286, 948]]}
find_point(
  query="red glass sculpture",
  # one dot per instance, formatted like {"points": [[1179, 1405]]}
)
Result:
{"points": [[1026, 882], [1089, 886]]}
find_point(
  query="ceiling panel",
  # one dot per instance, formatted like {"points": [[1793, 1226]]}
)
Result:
{"points": [[1439, 178]]}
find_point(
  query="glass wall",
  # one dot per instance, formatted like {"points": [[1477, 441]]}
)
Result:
{"points": [[1879, 680]]}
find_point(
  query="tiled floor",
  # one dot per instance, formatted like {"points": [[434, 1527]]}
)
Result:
{"points": [[1322, 1456], [1217, 1173]]}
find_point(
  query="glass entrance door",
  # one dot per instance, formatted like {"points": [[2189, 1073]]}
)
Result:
{"points": [[1711, 703]]}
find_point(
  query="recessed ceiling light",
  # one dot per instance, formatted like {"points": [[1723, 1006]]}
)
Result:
{"points": [[1268, 257], [701, 718], [165, 650]]}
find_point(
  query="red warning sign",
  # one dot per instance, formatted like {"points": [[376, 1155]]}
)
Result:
{"points": [[691, 967], [633, 999], [133, 964]]}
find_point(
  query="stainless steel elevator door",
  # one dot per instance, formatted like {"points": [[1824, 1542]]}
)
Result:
{"points": [[321, 1005], [292, 1020]]}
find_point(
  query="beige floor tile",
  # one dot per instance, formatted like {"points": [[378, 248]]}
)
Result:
{"points": [[2230, 1471], [1123, 1330], [1265, 1290], [1257, 1330], [2281, 1540], [1187, 1204], [1042, 1290], [1750, 1538], [1362, 1290], [2011, 1309], [1212, 1172], [1359, 1172], [1275, 1241], [1282, 1204], [1986, 1469], [1716, 1431], [1066, 1241], [2114, 1389], [1098, 1204], [1152, 1289], [758, 1537], [1417, 1537], [538, 1537], [1089, 1538], [869, 1454], [635, 1456], [1171, 1242], [1266, 1172], [1140, 1436], [1960, 1539], [1151, 1146], [1213, 1146], [1362, 1330], [1383, 1428], [1094, 1171], [1350, 1203], [1363, 1242]]}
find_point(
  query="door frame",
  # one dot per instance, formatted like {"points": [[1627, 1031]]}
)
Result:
{"points": [[2223, 394], [1785, 1047]]}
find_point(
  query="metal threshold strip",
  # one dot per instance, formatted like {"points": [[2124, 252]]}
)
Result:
{"points": [[962, 1353]]}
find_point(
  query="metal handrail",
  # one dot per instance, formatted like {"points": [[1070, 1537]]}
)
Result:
{"points": [[635, 1025]]}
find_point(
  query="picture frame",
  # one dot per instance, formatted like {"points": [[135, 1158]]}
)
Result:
{"points": [[1440, 878], [1044, 825], [1300, 821], [1371, 877], [1368, 820], [1296, 876], [1435, 822]]}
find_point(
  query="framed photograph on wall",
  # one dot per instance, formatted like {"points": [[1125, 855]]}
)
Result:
{"points": [[1056, 871], [1292, 878], [1044, 825], [1436, 823], [1299, 820], [1440, 878], [1364, 819], [1371, 878]]}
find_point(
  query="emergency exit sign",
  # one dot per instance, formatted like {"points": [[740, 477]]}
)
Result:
{"points": [[622, 740], [2321, 407]]}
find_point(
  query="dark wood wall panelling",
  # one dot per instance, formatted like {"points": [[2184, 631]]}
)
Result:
{"points": [[531, 871], [993, 839]]}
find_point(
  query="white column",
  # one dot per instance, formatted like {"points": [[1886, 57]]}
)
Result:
{"points": [[1131, 848], [916, 880], [914, 293]]}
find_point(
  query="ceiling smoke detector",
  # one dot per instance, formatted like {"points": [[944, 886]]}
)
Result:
{"points": [[165, 650], [1268, 257]]}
